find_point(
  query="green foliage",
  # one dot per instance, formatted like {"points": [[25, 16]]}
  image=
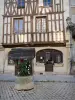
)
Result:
{"points": [[73, 63], [24, 68], [71, 28]]}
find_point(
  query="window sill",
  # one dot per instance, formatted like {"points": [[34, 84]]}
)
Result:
{"points": [[58, 65], [45, 6], [20, 7]]}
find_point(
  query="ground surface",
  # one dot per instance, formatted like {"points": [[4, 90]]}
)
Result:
{"points": [[49, 77], [41, 91]]}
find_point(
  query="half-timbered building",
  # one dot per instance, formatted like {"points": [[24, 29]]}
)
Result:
{"points": [[36, 30]]}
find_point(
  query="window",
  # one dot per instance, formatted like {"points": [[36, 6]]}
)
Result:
{"points": [[47, 2], [10, 61], [72, 2], [58, 58], [49, 54], [18, 25], [21, 3], [41, 24]]}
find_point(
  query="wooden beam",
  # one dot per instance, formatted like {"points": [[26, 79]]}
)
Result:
{"points": [[10, 30], [7, 31], [51, 44]]}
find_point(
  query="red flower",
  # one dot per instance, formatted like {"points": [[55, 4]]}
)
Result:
{"points": [[21, 60]]}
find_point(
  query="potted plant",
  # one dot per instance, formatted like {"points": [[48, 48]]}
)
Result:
{"points": [[24, 77]]}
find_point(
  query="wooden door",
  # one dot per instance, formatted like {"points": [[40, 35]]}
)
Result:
{"points": [[48, 65]]}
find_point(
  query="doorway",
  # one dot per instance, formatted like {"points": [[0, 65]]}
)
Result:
{"points": [[48, 62]]}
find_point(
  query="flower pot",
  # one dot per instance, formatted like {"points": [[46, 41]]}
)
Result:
{"points": [[24, 83]]}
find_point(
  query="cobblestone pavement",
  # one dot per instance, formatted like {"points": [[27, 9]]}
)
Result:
{"points": [[42, 91]]}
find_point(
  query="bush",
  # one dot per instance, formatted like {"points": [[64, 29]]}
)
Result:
{"points": [[24, 68]]}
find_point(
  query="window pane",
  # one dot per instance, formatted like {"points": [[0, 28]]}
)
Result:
{"points": [[41, 25], [18, 2], [38, 25], [21, 3], [20, 26], [58, 58], [40, 2], [47, 2], [15, 26]]}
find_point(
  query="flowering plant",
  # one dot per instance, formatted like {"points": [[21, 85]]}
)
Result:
{"points": [[24, 68]]}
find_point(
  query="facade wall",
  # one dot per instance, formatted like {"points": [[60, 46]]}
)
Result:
{"points": [[55, 18], [72, 10], [1, 33], [38, 67], [1, 61], [62, 68], [4, 67], [58, 68]]}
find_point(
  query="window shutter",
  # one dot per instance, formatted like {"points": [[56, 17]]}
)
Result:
{"points": [[40, 2]]}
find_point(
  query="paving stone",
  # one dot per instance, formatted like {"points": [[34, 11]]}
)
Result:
{"points": [[41, 91]]}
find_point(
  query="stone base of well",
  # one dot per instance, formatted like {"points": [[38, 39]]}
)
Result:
{"points": [[24, 83]]}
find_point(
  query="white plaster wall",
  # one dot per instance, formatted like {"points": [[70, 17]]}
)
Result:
{"points": [[8, 68], [38, 67], [1, 61], [66, 10], [64, 67], [1, 18], [66, 14], [1, 33]]}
